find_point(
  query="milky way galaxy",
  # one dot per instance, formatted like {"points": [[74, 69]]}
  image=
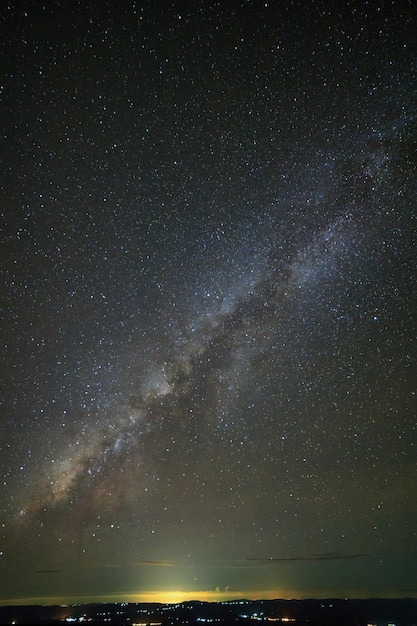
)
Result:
{"points": [[194, 393], [209, 296]]}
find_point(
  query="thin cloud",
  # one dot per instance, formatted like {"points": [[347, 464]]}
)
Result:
{"points": [[163, 563], [250, 563], [325, 556], [127, 564]]}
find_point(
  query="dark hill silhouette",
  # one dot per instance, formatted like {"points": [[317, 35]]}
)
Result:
{"points": [[331, 612]]}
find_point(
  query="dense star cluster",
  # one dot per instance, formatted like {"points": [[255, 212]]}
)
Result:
{"points": [[208, 299]]}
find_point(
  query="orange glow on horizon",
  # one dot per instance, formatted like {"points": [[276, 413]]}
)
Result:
{"points": [[176, 596], [164, 596]]}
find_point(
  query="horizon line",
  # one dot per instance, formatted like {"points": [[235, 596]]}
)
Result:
{"points": [[209, 596]]}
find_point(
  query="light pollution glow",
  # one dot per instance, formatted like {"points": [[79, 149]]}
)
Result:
{"points": [[169, 596], [175, 596]]}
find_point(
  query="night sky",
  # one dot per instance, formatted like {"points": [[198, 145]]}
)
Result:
{"points": [[209, 300]]}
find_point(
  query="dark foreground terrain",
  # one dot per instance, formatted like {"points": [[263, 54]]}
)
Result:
{"points": [[374, 612]]}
